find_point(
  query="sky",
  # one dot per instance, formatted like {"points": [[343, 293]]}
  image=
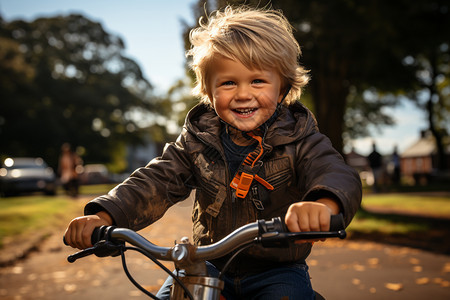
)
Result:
{"points": [[152, 32]]}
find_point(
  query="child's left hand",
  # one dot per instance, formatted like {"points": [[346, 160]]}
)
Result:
{"points": [[311, 216]]}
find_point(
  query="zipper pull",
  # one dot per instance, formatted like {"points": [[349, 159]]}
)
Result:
{"points": [[255, 199]]}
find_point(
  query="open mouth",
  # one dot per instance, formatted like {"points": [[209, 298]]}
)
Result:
{"points": [[245, 111]]}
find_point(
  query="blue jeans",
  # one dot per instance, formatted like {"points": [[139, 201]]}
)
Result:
{"points": [[287, 282]]}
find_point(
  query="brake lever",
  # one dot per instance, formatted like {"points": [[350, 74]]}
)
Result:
{"points": [[83, 253], [102, 245], [100, 249]]}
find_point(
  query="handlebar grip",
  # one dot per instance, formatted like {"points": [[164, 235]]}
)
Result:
{"points": [[275, 234], [97, 235], [337, 222]]}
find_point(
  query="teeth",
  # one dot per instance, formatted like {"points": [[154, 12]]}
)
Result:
{"points": [[245, 111]]}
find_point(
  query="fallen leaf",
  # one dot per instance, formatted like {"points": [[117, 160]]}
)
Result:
{"points": [[17, 270], [359, 268], [394, 286], [422, 280], [313, 262], [414, 261], [59, 275], [70, 288], [80, 274], [373, 261], [134, 293], [446, 268], [417, 269], [437, 280], [445, 283], [151, 288], [96, 283], [32, 277]]}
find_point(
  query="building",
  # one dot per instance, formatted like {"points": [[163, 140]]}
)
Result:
{"points": [[361, 164], [419, 161]]}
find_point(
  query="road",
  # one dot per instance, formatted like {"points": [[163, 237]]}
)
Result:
{"points": [[339, 269]]}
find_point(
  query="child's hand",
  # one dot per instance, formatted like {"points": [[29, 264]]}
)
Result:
{"points": [[78, 233], [311, 216]]}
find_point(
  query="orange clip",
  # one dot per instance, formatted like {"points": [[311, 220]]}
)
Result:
{"points": [[263, 182], [242, 184]]}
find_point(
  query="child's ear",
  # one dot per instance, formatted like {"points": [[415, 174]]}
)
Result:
{"points": [[280, 97], [283, 93], [210, 100]]}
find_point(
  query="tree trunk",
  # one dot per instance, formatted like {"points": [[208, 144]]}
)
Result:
{"points": [[433, 91], [330, 97]]}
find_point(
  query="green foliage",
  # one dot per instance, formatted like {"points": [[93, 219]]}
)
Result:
{"points": [[65, 79]]}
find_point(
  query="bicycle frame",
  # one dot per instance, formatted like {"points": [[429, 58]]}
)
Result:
{"points": [[196, 284]]}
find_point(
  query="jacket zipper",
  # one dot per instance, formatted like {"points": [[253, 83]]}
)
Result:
{"points": [[230, 193]]}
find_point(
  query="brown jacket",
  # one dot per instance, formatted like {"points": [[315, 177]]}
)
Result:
{"points": [[300, 164]]}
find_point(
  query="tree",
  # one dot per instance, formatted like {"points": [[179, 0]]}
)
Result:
{"points": [[428, 43], [354, 53], [65, 79]]}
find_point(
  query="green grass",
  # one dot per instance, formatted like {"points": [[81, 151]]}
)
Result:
{"points": [[428, 205], [393, 223], [39, 214], [367, 223], [20, 216], [97, 189]]}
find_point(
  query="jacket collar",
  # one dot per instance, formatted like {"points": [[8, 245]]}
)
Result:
{"points": [[293, 123]]}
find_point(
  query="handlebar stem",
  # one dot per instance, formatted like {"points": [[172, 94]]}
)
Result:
{"points": [[241, 236], [135, 239]]}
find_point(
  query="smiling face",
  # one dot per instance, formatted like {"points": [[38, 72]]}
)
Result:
{"points": [[244, 98]]}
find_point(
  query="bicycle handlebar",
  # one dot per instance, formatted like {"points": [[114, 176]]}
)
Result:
{"points": [[271, 233]]}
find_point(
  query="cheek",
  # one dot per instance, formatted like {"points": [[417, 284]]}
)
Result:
{"points": [[219, 100], [270, 100], [219, 105]]}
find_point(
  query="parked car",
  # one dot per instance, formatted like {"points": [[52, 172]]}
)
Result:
{"points": [[25, 175], [94, 174]]}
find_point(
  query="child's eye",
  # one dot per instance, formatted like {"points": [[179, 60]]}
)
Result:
{"points": [[229, 82], [256, 81]]}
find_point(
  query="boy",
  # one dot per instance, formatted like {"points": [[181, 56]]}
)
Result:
{"points": [[249, 150]]}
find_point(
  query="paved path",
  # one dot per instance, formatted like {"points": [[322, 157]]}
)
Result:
{"points": [[339, 270]]}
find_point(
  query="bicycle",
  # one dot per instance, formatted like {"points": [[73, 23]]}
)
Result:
{"points": [[196, 283]]}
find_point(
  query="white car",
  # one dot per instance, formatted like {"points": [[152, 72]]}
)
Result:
{"points": [[25, 175]]}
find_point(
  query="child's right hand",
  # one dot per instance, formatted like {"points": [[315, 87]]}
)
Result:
{"points": [[78, 233]]}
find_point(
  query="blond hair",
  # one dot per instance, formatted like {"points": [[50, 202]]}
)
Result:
{"points": [[259, 39]]}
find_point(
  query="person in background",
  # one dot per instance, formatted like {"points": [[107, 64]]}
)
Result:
{"points": [[376, 164], [395, 162], [68, 163]]}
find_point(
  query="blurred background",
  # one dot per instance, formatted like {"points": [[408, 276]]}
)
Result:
{"points": [[91, 90], [111, 80]]}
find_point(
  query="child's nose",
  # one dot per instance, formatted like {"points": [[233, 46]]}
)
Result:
{"points": [[244, 93]]}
